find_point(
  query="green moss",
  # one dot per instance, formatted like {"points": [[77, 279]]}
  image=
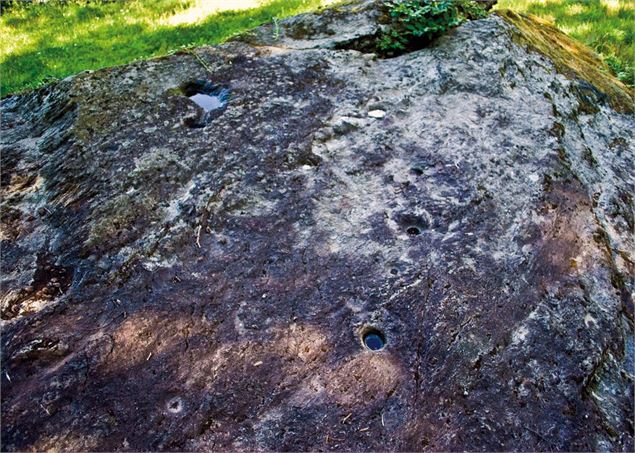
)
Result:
{"points": [[588, 156], [570, 57], [116, 219], [605, 26], [557, 130]]}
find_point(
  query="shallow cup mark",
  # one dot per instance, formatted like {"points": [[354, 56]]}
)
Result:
{"points": [[413, 225], [416, 170], [175, 405], [213, 99]]}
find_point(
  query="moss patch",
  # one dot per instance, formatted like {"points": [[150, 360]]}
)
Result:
{"points": [[570, 57], [119, 220]]}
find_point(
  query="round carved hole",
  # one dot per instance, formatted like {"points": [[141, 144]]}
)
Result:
{"points": [[413, 230], [374, 340], [212, 99], [175, 405]]}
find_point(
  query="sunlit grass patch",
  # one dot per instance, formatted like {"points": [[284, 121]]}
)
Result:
{"points": [[200, 9], [51, 40], [611, 5]]}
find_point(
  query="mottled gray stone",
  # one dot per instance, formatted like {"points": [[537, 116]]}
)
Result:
{"points": [[168, 287]]}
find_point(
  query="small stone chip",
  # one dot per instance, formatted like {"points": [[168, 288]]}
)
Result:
{"points": [[258, 363], [377, 114]]}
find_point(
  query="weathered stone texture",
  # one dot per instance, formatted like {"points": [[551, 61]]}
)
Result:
{"points": [[176, 288]]}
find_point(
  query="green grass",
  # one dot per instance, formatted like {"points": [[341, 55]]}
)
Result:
{"points": [[51, 40], [607, 26]]}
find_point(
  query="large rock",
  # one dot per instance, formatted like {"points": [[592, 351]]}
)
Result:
{"points": [[181, 280]]}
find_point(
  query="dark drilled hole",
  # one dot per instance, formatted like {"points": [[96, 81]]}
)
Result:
{"points": [[418, 171], [413, 230], [412, 224], [374, 340]]}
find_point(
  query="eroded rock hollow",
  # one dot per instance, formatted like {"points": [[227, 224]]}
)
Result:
{"points": [[287, 243]]}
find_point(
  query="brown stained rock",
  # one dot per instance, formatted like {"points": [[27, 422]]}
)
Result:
{"points": [[168, 287]]}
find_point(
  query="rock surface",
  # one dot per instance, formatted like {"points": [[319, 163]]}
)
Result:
{"points": [[168, 286]]}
